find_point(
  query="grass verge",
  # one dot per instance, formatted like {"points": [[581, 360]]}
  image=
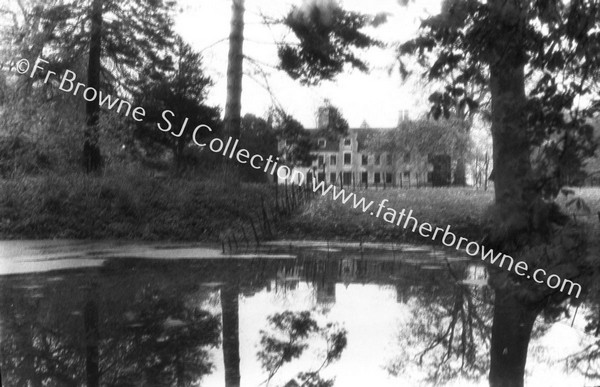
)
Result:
{"points": [[461, 208], [124, 206]]}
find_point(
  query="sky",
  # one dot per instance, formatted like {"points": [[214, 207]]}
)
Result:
{"points": [[375, 97]]}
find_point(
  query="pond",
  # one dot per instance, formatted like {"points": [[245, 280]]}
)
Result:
{"points": [[289, 314]]}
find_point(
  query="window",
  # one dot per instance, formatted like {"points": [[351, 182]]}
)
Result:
{"points": [[321, 161], [365, 159], [406, 175], [388, 178], [389, 159], [364, 177], [347, 142], [347, 176], [321, 143], [377, 159], [332, 160], [332, 177], [377, 178], [320, 176], [407, 157], [347, 158]]}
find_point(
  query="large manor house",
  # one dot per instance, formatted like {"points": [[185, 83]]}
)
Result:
{"points": [[347, 162]]}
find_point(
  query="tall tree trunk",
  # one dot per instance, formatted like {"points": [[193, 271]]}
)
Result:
{"points": [[233, 105], [513, 320], [511, 332], [231, 331], [91, 151]]}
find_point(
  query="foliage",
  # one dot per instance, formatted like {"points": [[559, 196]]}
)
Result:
{"points": [[560, 49], [448, 337], [426, 137], [327, 34], [128, 204], [325, 218], [181, 90], [289, 338], [336, 126], [259, 137], [38, 134], [137, 32], [297, 141], [171, 340]]}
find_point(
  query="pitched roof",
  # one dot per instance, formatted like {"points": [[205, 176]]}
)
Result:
{"points": [[361, 136]]}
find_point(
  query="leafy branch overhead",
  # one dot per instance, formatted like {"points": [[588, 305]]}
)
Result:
{"points": [[327, 35]]}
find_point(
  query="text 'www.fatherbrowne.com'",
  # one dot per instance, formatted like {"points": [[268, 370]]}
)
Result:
{"points": [[448, 238]]}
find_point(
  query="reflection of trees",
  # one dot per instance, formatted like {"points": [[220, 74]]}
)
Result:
{"points": [[587, 360], [92, 339], [163, 341], [35, 351], [288, 337], [231, 331], [54, 331], [448, 335]]}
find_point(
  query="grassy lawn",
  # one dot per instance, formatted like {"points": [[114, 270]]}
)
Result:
{"points": [[461, 208], [125, 206], [130, 206]]}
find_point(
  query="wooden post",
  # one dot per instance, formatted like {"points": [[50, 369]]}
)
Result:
{"points": [[235, 240], [244, 234], [254, 231], [293, 195], [276, 195], [287, 199]]}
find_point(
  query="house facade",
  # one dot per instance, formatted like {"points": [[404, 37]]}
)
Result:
{"points": [[347, 162]]}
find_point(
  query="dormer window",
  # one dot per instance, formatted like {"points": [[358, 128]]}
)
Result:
{"points": [[321, 143], [347, 141]]}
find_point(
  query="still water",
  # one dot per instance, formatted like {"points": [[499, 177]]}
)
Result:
{"points": [[313, 314]]}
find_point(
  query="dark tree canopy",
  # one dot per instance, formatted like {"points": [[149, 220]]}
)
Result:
{"points": [[182, 90], [541, 63], [335, 125], [327, 35], [297, 141], [558, 44], [426, 137]]}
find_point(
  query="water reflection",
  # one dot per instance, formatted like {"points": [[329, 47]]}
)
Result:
{"points": [[346, 318]]}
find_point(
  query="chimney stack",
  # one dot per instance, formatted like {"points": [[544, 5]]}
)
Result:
{"points": [[323, 117], [403, 116]]}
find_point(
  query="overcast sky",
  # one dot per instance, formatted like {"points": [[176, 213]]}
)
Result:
{"points": [[375, 97]]}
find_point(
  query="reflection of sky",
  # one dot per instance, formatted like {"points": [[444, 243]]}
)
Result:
{"points": [[373, 318], [369, 313]]}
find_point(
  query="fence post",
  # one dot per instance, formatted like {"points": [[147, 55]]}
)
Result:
{"points": [[287, 199], [276, 195], [265, 218], [293, 189], [237, 247], [244, 234], [254, 231]]}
